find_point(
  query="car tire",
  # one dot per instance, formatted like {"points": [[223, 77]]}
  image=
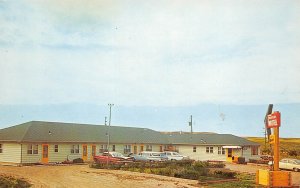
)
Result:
{"points": [[295, 169]]}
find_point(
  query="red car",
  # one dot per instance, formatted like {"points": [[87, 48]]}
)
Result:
{"points": [[112, 157]]}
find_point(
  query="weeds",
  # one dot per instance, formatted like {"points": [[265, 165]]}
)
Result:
{"points": [[11, 182]]}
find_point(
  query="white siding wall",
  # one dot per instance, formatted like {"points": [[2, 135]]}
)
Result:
{"points": [[200, 153], [31, 158], [120, 147], [247, 154], [11, 153], [64, 152]]}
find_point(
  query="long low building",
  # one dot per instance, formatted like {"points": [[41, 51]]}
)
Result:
{"points": [[52, 142]]}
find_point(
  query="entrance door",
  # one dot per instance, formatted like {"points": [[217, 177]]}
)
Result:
{"points": [[84, 152], [142, 148], [135, 149], [93, 152], [45, 153], [229, 154]]}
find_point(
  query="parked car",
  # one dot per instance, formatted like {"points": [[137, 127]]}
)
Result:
{"points": [[112, 157], [174, 156], [288, 164], [149, 156]]}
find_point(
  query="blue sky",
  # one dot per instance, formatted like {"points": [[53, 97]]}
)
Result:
{"points": [[157, 61]]}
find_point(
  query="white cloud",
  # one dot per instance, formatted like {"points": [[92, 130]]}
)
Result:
{"points": [[150, 53]]}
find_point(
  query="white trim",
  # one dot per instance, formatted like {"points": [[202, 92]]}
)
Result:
{"points": [[233, 147]]}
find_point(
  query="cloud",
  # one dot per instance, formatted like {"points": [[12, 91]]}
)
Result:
{"points": [[143, 53]]}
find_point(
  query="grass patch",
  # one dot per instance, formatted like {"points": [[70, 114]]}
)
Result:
{"points": [[289, 147], [245, 181], [11, 182]]}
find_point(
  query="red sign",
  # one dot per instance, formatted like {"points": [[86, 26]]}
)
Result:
{"points": [[274, 120]]}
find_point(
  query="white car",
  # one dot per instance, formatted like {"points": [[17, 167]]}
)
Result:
{"points": [[288, 164], [149, 156], [174, 156]]}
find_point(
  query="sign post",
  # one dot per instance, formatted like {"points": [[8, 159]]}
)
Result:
{"points": [[273, 121], [274, 178]]}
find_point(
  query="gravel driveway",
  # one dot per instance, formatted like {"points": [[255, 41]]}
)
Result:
{"points": [[83, 176]]}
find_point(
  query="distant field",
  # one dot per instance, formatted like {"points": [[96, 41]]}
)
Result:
{"points": [[286, 145]]}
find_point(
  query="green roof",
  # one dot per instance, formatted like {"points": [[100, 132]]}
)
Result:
{"points": [[39, 131], [213, 139]]}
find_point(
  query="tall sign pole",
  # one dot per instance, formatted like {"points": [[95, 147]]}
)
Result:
{"points": [[273, 121]]}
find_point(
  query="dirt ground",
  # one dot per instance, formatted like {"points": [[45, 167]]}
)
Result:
{"points": [[83, 176], [252, 168]]}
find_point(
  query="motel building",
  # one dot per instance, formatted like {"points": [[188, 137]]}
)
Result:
{"points": [[53, 142]]}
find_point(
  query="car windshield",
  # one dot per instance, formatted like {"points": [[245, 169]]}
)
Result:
{"points": [[297, 161]]}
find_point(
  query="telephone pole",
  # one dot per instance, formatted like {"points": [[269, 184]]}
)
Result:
{"points": [[191, 124], [109, 122]]}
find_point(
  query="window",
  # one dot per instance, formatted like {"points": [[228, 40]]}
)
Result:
{"points": [[1, 149], [75, 149], [113, 147], [32, 149], [194, 149], [103, 148], [55, 148], [209, 149], [127, 148], [148, 147], [221, 151], [254, 150]]}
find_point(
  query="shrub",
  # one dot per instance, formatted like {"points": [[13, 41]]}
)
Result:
{"points": [[200, 164], [292, 153], [216, 165], [8, 181], [78, 160], [224, 174], [187, 174]]}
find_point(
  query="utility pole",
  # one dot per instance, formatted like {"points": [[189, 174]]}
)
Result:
{"points": [[105, 123], [109, 123], [265, 133], [191, 124]]}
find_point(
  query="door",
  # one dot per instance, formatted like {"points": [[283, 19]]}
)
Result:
{"points": [[229, 154], [84, 152], [160, 148], [135, 149], [93, 152], [142, 148], [45, 153]]}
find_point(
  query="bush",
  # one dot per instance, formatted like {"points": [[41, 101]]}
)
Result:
{"points": [[200, 164], [11, 182], [217, 165], [187, 174], [224, 174], [292, 153], [78, 160]]}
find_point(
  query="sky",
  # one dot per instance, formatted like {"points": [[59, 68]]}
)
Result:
{"points": [[158, 61]]}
